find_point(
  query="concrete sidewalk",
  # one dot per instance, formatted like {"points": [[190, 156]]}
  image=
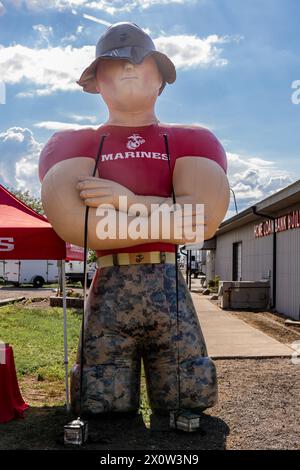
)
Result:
{"points": [[228, 337]]}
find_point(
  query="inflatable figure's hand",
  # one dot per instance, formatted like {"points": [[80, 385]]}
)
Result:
{"points": [[97, 191], [181, 224]]}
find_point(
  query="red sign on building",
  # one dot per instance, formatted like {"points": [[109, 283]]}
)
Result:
{"points": [[282, 223]]}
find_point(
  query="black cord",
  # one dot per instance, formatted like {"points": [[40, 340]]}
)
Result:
{"points": [[176, 277], [85, 274]]}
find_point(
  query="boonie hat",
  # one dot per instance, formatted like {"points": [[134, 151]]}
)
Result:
{"points": [[129, 42]]}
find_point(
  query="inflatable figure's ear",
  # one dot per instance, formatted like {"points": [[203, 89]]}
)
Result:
{"points": [[96, 80], [162, 83], [98, 87]]}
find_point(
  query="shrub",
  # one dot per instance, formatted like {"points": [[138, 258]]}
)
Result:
{"points": [[214, 282]]}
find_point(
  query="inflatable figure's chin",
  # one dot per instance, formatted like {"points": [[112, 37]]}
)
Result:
{"points": [[131, 100]]}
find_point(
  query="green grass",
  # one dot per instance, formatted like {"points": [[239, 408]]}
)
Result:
{"points": [[37, 339]]}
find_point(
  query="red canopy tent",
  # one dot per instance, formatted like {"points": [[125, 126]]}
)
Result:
{"points": [[25, 234]]}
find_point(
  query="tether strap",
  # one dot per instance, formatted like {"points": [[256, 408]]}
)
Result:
{"points": [[85, 274], [176, 277]]}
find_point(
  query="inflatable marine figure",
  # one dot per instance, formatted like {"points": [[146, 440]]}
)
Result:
{"points": [[131, 310]]}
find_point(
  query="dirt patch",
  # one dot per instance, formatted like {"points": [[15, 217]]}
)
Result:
{"points": [[35, 303], [258, 409], [34, 298], [41, 393], [9, 292], [269, 324], [273, 324]]}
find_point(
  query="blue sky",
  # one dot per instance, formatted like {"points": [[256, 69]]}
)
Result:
{"points": [[236, 62]]}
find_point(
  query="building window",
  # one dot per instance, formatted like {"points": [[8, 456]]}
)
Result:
{"points": [[237, 261]]}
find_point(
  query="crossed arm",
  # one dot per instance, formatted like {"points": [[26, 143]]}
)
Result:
{"points": [[67, 189]]}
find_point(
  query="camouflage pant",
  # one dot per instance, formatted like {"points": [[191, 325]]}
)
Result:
{"points": [[131, 314]]}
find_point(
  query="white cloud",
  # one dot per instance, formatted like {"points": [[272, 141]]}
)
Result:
{"points": [[49, 69], [191, 51], [80, 118], [111, 7], [254, 179], [61, 126], [68, 39], [96, 20], [48, 4], [73, 37], [19, 153], [2, 9], [44, 32], [52, 69], [120, 6], [108, 6], [149, 3]]}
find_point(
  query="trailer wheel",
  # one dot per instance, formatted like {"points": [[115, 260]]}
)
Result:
{"points": [[38, 281]]}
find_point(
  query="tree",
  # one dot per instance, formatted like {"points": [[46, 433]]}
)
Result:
{"points": [[30, 201], [91, 256]]}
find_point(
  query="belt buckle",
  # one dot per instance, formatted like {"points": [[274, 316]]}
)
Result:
{"points": [[139, 258]]}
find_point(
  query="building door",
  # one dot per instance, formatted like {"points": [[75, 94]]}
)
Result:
{"points": [[237, 261]]}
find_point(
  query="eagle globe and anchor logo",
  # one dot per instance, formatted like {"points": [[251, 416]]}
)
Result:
{"points": [[139, 258], [134, 141]]}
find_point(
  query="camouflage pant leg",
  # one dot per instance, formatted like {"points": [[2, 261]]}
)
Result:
{"points": [[131, 312], [167, 344], [112, 335]]}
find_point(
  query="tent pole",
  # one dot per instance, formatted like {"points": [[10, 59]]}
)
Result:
{"points": [[66, 361]]}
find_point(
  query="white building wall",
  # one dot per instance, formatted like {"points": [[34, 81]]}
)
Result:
{"points": [[210, 265], [257, 261], [1, 268], [288, 273], [256, 254]]}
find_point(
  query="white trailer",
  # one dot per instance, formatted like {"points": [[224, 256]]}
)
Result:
{"points": [[75, 271], [40, 272], [36, 272], [1, 269]]}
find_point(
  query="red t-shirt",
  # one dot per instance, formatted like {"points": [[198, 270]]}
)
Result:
{"points": [[135, 157]]}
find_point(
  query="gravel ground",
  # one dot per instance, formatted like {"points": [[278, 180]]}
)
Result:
{"points": [[258, 409], [9, 292], [259, 402]]}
